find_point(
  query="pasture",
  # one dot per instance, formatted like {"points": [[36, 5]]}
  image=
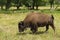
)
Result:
{"points": [[9, 26]]}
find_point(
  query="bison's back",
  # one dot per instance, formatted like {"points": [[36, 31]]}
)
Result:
{"points": [[37, 17]]}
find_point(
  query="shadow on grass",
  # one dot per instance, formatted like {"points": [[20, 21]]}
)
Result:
{"points": [[42, 32], [21, 33]]}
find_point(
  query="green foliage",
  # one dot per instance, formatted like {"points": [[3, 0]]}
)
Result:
{"points": [[2, 2], [27, 3]]}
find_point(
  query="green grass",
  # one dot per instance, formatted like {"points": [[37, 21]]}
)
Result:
{"points": [[9, 26]]}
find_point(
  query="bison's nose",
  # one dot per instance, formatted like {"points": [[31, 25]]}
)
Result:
{"points": [[21, 30]]}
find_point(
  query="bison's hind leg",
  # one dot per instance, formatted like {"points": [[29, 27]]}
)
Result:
{"points": [[53, 27], [47, 27]]}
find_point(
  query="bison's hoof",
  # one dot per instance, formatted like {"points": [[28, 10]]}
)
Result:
{"points": [[33, 31]]}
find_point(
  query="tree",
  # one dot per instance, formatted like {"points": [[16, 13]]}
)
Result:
{"points": [[17, 3], [8, 4], [37, 3], [58, 3], [51, 4], [2, 3]]}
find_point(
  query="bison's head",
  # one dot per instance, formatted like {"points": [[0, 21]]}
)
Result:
{"points": [[21, 26]]}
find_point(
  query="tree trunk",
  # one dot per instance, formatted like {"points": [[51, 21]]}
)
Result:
{"points": [[37, 5], [17, 7], [1, 7], [8, 4], [51, 4], [33, 4]]}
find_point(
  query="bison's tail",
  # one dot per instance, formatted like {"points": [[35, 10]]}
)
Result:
{"points": [[52, 17]]}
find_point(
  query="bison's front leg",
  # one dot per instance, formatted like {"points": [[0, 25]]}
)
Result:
{"points": [[34, 29]]}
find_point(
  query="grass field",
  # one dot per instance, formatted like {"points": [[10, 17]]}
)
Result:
{"points": [[9, 26]]}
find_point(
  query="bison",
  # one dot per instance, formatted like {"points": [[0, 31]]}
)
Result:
{"points": [[35, 20]]}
